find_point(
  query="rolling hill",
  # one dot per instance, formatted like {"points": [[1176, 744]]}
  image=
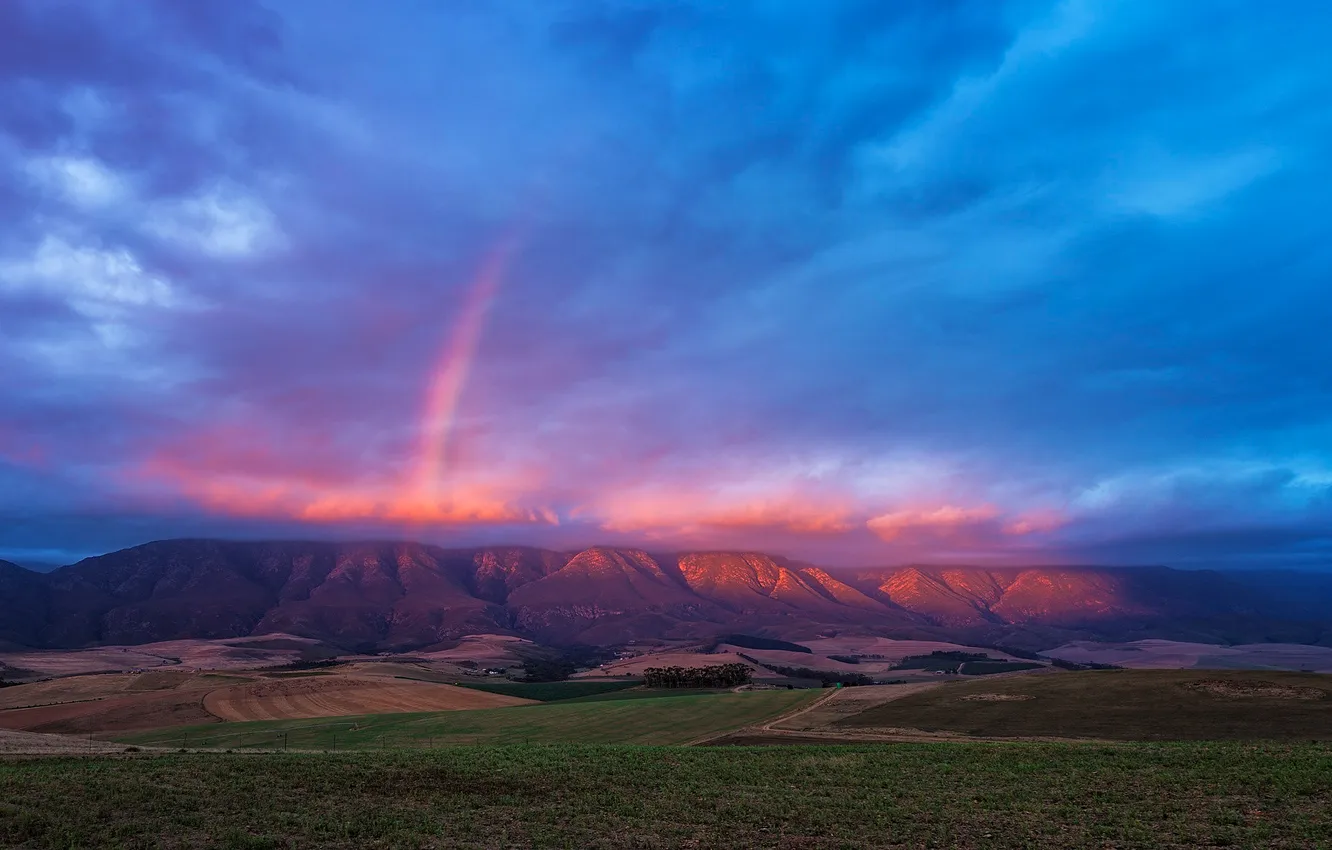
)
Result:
{"points": [[382, 596]]}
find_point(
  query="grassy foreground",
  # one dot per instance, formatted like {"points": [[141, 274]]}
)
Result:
{"points": [[905, 795], [656, 720]]}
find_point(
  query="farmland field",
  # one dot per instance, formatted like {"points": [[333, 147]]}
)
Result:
{"points": [[658, 720], [552, 691], [963, 795], [341, 695], [1120, 705], [119, 703]]}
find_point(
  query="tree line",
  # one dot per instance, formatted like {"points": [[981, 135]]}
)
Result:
{"points": [[712, 676]]}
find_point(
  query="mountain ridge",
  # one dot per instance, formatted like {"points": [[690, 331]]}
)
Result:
{"points": [[397, 595]]}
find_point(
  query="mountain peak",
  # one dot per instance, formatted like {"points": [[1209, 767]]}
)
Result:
{"points": [[404, 595]]}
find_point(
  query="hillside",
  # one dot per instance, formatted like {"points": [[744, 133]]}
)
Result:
{"points": [[23, 605], [373, 596]]}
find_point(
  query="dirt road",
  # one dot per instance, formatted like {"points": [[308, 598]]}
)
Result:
{"points": [[814, 718]]}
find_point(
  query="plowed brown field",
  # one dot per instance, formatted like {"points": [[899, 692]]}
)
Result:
{"points": [[118, 703], [333, 696], [100, 687], [118, 713]]}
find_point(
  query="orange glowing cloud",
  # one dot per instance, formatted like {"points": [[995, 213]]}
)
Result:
{"points": [[941, 521], [663, 514], [961, 522], [298, 498], [1035, 522]]}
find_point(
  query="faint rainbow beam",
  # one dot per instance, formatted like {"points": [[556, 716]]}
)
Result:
{"points": [[449, 377]]}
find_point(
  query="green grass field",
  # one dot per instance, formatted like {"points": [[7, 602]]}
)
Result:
{"points": [[986, 668], [553, 691], [659, 720], [1034, 796], [648, 693], [1124, 705]]}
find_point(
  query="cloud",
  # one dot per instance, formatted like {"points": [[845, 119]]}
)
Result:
{"points": [[96, 282], [866, 282], [82, 181], [684, 519], [220, 223], [1169, 188], [941, 521]]}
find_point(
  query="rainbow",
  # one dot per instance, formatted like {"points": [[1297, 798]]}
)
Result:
{"points": [[449, 376]]}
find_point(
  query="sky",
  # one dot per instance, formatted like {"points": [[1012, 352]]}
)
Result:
{"points": [[861, 283]]}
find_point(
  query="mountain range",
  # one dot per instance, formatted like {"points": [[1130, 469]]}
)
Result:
{"points": [[399, 596]]}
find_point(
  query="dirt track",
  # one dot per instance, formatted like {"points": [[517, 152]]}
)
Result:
{"points": [[812, 722], [816, 723]]}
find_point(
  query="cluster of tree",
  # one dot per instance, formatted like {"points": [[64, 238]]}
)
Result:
{"points": [[846, 659], [827, 678], [547, 669], [713, 676], [756, 642], [557, 668]]}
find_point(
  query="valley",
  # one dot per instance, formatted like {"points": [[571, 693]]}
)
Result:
{"points": [[1073, 707], [386, 750]]}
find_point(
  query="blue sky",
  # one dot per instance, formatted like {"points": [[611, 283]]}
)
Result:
{"points": [[858, 282]]}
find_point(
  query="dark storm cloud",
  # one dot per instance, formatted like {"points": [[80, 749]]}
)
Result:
{"points": [[856, 281]]}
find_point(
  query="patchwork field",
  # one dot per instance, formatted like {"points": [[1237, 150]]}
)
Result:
{"points": [[184, 655], [871, 656], [248, 653], [674, 658], [116, 703], [110, 703], [965, 796], [655, 720], [332, 696], [1175, 655], [1179, 705], [887, 649], [483, 651]]}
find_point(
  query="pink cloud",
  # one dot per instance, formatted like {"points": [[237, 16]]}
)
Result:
{"points": [[1035, 522], [683, 514], [941, 521]]}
